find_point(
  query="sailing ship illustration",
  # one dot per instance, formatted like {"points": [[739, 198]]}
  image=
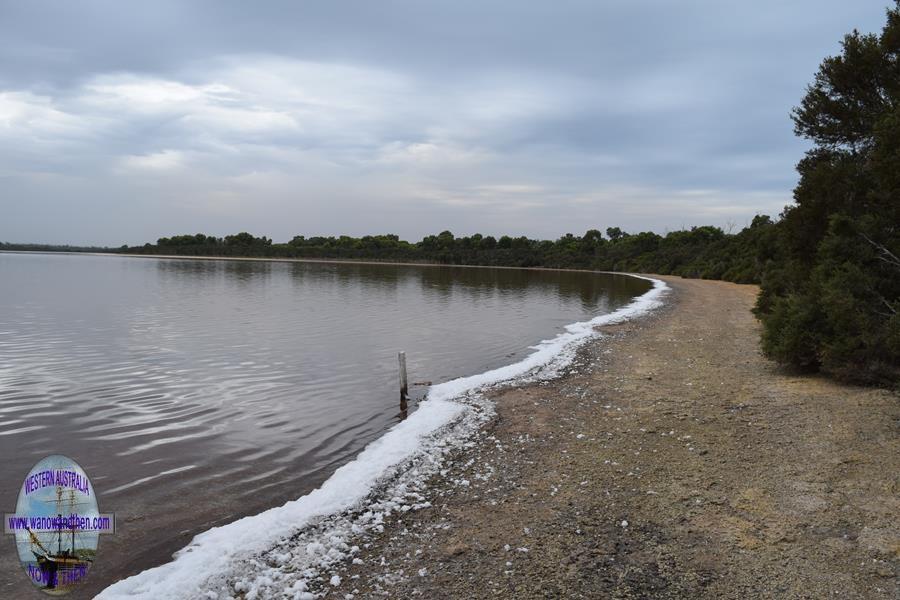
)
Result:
{"points": [[67, 566]]}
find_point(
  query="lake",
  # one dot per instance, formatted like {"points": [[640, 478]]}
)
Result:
{"points": [[167, 378]]}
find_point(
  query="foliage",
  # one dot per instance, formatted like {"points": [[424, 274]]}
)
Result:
{"points": [[706, 252], [831, 300]]}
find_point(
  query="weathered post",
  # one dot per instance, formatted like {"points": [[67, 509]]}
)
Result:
{"points": [[404, 386]]}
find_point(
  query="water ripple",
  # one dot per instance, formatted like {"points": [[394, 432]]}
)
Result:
{"points": [[196, 391]]}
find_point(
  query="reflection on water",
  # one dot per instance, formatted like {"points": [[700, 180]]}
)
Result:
{"points": [[194, 392]]}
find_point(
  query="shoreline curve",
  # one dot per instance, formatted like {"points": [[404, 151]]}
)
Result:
{"points": [[441, 424]]}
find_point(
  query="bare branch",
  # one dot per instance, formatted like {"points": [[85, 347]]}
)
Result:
{"points": [[889, 306], [886, 255]]}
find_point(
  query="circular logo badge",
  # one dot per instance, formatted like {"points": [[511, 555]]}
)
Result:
{"points": [[57, 524]]}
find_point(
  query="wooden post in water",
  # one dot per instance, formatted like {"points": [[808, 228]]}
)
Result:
{"points": [[404, 386]]}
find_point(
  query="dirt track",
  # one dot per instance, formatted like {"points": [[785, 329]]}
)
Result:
{"points": [[674, 462]]}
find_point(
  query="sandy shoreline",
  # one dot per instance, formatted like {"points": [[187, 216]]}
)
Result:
{"points": [[675, 462]]}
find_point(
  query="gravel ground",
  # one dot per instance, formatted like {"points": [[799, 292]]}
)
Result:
{"points": [[674, 461]]}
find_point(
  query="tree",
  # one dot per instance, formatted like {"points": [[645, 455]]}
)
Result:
{"points": [[614, 233], [831, 299]]}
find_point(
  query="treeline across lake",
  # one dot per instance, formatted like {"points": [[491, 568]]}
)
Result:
{"points": [[830, 289], [9, 247], [705, 252]]}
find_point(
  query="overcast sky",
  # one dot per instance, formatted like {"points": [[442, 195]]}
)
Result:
{"points": [[121, 122]]}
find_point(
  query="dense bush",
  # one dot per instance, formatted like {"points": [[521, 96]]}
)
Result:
{"points": [[831, 299]]}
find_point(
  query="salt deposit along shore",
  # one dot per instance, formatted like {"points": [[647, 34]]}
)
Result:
{"points": [[669, 460], [673, 462], [294, 551]]}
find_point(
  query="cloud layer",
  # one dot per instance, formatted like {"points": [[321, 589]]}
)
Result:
{"points": [[122, 123]]}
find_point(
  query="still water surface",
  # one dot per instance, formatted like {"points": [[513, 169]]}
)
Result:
{"points": [[195, 392]]}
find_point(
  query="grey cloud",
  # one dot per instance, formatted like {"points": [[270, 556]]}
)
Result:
{"points": [[124, 122]]}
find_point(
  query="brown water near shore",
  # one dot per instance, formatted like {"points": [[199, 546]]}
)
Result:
{"points": [[675, 462]]}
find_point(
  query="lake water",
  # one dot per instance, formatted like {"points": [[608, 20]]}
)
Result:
{"points": [[168, 379]]}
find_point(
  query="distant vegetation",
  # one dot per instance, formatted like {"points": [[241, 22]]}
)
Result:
{"points": [[51, 248], [705, 252]]}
